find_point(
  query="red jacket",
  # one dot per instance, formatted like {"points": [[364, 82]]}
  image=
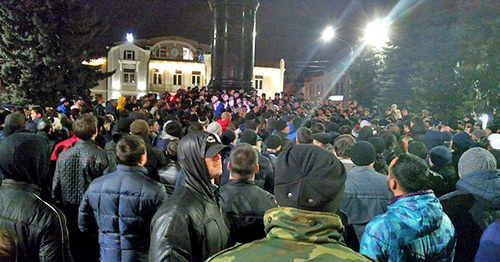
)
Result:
{"points": [[62, 146], [223, 123]]}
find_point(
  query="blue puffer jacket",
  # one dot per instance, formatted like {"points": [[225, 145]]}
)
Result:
{"points": [[121, 205], [414, 228]]}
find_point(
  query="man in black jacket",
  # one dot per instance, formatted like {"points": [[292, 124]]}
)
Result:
{"points": [[244, 202], [40, 228], [76, 167], [121, 204], [191, 225]]}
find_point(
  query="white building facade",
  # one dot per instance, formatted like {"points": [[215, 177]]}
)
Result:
{"points": [[166, 64]]}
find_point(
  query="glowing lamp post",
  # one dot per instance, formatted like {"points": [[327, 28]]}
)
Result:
{"points": [[377, 34]]}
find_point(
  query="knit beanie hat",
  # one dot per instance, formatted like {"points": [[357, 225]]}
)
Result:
{"points": [[362, 153], [478, 133], [280, 125], [418, 148], [462, 140], [251, 124], [310, 178], [248, 136], [440, 156], [273, 141], [433, 138], [378, 143], [173, 128], [476, 159], [227, 137]]}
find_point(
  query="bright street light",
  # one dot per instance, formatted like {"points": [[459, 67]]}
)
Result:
{"points": [[130, 37], [377, 33], [328, 34]]}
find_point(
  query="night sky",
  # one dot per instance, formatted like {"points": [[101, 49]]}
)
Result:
{"points": [[288, 29]]}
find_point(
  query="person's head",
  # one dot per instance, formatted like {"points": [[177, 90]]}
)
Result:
{"points": [[13, 122], [418, 148], [342, 146], [273, 143], [378, 144], [248, 136], [318, 128], [226, 116], [131, 151], [389, 139], [36, 112], [139, 128], [309, 185], [363, 154], [199, 154], [8, 246], [228, 137], [281, 126], [496, 154], [243, 162], [215, 128], [404, 142], [173, 128], [85, 127], [322, 139], [304, 136], [474, 160], [440, 157], [407, 174]]}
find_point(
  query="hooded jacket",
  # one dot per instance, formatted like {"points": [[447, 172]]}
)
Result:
{"points": [[472, 207], [295, 235], [414, 228], [39, 227], [191, 225]]}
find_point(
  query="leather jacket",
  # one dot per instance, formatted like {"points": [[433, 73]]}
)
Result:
{"points": [[76, 167], [190, 226]]}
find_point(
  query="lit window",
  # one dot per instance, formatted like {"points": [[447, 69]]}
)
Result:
{"points": [[258, 82], [129, 76], [178, 78], [129, 54], [156, 77], [196, 78]]}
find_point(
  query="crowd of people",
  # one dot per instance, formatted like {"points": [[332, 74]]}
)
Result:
{"points": [[210, 175]]}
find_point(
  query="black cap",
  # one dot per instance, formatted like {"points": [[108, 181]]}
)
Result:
{"points": [[248, 136], [280, 125], [273, 141], [213, 147], [322, 138]]}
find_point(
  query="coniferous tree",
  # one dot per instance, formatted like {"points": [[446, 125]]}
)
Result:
{"points": [[42, 47]]}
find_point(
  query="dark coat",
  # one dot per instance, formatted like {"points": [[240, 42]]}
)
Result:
{"points": [[472, 207], [76, 167], [40, 228], [168, 176], [191, 225], [245, 204], [121, 204]]}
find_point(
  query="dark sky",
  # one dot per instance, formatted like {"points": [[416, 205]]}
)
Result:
{"points": [[288, 29]]}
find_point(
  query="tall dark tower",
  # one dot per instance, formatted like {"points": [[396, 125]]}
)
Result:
{"points": [[233, 43]]}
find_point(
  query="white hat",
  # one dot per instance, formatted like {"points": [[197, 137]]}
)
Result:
{"points": [[494, 140]]}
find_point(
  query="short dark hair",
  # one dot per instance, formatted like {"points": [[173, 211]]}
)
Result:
{"points": [[243, 161], [389, 138], [343, 144], [411, 172], [37, 109], [129, 150], [304, 135], [85, 127], [13, 123]]}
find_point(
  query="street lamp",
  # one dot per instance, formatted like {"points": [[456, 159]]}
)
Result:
{"points": [[377, 33], [130, 37], [329, 34]]}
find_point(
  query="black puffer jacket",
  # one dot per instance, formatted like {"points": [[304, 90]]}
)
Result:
{"points": [[122, 205], [190, 226], [39, 227], [76, 167]]}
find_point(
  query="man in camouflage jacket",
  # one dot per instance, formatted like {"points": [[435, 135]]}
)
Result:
{"points": [[305, 225]]}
